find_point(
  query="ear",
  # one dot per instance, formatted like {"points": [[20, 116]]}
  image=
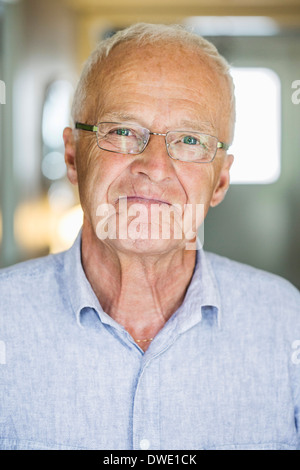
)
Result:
{"points": [[70, 153], [223, 182]]}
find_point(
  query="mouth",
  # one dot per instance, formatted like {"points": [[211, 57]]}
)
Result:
{"points": [[143, 200]]}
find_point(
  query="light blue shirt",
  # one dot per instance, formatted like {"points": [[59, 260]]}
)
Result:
{"points": [[223, 373]]}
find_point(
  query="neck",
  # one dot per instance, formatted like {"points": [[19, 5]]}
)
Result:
{"points": [[139, 291]]}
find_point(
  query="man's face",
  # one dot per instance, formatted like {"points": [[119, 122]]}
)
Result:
{"points": [[161, 88]]}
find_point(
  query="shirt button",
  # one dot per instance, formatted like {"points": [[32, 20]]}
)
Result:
{"points": [[144, 444]]}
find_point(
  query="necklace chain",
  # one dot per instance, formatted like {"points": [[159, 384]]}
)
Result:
{"points": [[143, 340]]}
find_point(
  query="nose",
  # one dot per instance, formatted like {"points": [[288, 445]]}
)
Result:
{"points": [[154, 162]]}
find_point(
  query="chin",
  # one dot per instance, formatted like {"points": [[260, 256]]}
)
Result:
{"points": [[137, 235], [142, 246]]}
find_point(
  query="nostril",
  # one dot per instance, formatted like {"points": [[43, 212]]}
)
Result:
{"points": [[154, 163]]}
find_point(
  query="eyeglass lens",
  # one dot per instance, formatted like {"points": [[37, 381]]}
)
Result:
{"points": [[132, 139]]}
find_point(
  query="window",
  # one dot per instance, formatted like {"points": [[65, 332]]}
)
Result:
{"points": [[257, 141]]}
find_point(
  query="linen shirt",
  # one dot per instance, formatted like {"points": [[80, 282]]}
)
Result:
{"points": [[223, 373]]}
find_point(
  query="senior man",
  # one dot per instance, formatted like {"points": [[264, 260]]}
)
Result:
{"points": [[131, 339]]}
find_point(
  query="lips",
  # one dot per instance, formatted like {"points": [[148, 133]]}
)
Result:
{"points": [[142, 199]]}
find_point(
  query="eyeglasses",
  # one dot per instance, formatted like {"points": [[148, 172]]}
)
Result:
{"points": [[132, 139]]}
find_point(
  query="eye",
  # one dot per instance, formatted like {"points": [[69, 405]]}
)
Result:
{"points": [[190, 140], [123, 131]]}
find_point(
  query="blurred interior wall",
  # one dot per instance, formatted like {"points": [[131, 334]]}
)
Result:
{"points": [[38, 46]]}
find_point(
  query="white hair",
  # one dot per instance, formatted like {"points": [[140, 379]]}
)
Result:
{"points": [[142, 34]]}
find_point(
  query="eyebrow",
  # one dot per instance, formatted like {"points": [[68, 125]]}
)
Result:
{"points": [[197, 125], [185, 124], [119, 117]]}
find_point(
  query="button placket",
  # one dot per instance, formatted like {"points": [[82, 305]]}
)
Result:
{"points": [[146, 409]]}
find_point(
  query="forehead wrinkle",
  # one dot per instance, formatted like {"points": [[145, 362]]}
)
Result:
{"points": [[127, 74], [192, 114], [119, 71], [158, 89], [205, 118]]}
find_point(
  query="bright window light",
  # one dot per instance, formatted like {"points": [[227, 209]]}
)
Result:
{"points": [[257, 141]]}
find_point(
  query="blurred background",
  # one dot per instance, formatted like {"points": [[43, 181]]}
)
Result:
{"points": [[43, 45]]}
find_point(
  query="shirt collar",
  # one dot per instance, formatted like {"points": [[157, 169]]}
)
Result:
{"points": [[80, 290], [202, 296], [202, 299]]}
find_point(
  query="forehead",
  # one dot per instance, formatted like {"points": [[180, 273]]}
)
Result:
{"points": [[174, 82]]}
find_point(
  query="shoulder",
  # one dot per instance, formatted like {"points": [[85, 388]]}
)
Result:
{"points": [[254, 285], [31, 293], [30, 274], [261, 313], [32, 267]]}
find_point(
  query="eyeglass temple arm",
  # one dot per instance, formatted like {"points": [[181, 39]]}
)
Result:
{"points": [[85, 127], [222, 145]]}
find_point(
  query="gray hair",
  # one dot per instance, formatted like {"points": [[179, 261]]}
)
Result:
{"points": [[143, 34]]}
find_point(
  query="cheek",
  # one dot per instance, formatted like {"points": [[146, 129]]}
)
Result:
{"points": [[198, 184], [97, 178]]}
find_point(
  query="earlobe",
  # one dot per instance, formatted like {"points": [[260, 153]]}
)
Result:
{"points": [[70, 154], [223, 182]]}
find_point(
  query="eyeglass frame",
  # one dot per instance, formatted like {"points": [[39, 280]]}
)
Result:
{"points": [[93, 128]]}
